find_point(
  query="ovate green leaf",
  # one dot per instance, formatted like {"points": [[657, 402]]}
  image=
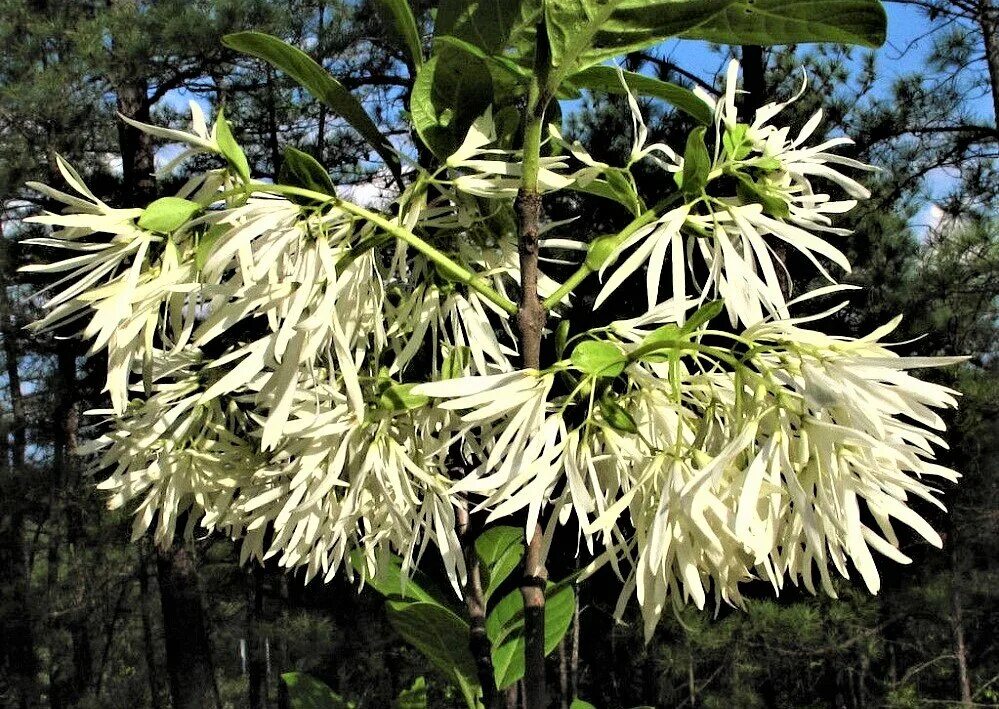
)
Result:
{"points": [[499, 550], [607, 79], [451, 90], [398, 19], [505, 628], [615, 415], [303, 69], [399, 397], [168, 214], [769, 22], [441, 636], [696, 164], [230, 148], [391, 582], [599, 358], [300, 169]]}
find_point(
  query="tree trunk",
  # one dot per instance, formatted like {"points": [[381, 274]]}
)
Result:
{"points": [[146, 612], [257, 659], [957, 626], [190, 671], [189, 663], [18, 657], [988, 21]]}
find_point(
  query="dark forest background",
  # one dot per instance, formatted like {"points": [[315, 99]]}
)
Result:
{"points": [[89, 618]]}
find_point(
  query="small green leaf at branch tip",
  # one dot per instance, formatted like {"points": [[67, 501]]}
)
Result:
{"points": [[456, 362], [706, 313], [299, 169], [413, 698], [615, 414], [399, 397], [318, 82], [168, 214], [230, 148], [206, 243], [599, 251], [696, 164], [599, 358], [608, 79]]}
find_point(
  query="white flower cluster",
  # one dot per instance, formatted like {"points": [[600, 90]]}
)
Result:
{"points": [[285, 371]]}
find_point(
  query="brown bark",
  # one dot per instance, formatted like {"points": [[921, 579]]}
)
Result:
{"points": [[957, 626], [475, 603], [189, 666], [530, 323], [257, 653], [18, 657], [146, 616], [988, 21], [753, 81]]}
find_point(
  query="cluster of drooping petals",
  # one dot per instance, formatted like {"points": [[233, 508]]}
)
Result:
{"points": [[702, 471], [283, 371], [256, 359]]}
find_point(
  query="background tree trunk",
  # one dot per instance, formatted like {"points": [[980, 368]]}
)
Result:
{"points": [[189, 661]]}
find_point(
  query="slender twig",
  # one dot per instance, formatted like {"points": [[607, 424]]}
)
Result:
{"points": [[530, 318]]}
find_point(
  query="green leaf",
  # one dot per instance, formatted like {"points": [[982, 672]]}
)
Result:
{"points": [[303, 69], [399, 397], [561, 338], [398, 19], [413, 698], [392, 583], [578, 703], [737, 147], [599, 358], [451, 90], [607, 79], [615, 415], [696, 164], [168, 214], [624, 187], [497, 27], [667, 337], [767, 22], [456, 362], [206, 243], [307, 692], [583, 33], [505, 628], [441, 636], [300, 169], [706, 313], [499, 550], [752, 192], [230, 148]]}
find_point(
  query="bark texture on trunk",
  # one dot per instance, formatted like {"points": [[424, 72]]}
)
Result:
{"points": [[148, 641], [255, 641], [957, 627], [18, 657], [988, 21], [189, 664]]}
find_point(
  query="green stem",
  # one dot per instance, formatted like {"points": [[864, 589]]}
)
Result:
{"points": [[449, 267]]}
